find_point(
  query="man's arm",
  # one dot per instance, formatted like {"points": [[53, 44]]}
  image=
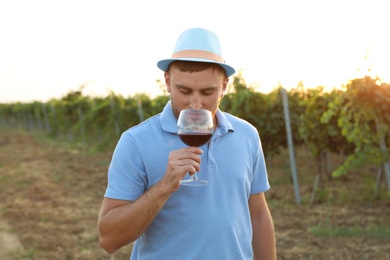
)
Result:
{"points": [[122, 222], [263, 242]]}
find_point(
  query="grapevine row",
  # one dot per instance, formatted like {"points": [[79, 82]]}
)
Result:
{"points": [[354, 121]]}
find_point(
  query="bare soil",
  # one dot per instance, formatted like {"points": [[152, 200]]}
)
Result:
{"points": [[51, 196]]}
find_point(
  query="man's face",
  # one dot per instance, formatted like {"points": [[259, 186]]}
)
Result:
{"points": [[196, 90]]}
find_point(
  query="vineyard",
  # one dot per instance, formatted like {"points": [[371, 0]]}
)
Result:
{"points": [[341, 139], [354, 122]]}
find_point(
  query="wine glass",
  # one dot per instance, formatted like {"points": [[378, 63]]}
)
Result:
{"points": [[194, 128]]}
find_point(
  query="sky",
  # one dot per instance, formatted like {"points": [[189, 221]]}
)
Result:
{"points": [[51, 47]]}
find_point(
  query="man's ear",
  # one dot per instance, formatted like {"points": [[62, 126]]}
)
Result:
{"points": [[167, 81], [224, 85]]}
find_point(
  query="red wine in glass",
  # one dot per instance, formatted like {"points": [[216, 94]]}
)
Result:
{"points": [[194, 128], [195, 139]]}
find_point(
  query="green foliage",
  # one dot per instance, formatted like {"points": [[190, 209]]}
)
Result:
{"points": [[321, 135], [354, 122], [363, 115], [76, 118], [249, 105], [265, 112]]}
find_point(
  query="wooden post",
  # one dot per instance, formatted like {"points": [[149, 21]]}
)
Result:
{"points": [[383, 147], [290, 146], [140, 111], [386, 165], [116, 124]]}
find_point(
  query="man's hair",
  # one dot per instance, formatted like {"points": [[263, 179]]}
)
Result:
{"points": [[192, 66]]}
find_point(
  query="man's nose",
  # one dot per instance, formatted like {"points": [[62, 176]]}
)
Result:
{"points": [[195, 102]]}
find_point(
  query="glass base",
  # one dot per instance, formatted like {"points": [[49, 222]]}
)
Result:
{"points": [[191, 182]]}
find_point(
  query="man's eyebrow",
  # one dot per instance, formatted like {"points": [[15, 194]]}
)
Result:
{"points": [[181, 86], [209, 88], [202, 89]]}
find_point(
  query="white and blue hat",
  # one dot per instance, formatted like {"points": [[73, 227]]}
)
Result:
{"points": [[199, 45]]}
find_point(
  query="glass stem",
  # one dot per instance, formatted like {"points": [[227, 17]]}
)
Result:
{"points": [[194, 177]]}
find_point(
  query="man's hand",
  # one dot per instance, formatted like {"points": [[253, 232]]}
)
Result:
{"points": [[181, 162]]}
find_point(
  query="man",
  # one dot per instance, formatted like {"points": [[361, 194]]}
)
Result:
{"points": [[144, 201]]}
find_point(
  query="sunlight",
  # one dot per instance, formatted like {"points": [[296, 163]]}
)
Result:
{"points": [[320, 44]]}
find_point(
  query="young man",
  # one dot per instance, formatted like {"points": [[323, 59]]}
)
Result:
{"points": [[144, 201]]}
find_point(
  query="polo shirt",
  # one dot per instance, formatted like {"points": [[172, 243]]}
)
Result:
{"points": [[206, 222]]}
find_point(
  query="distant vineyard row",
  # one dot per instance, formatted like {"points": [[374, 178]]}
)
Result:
{"points": [[354, 121]]}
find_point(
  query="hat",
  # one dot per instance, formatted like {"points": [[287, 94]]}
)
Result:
{"points": [[199, 45]]}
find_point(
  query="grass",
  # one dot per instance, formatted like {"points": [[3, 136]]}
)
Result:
{"points": [[4, 179], [333, 190], [329, 231], [28, 254]]}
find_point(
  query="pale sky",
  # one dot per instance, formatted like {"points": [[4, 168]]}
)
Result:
{"points": [[49, 47]]}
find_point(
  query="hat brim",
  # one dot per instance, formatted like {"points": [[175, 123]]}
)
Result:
{"points": [[164, 64]]}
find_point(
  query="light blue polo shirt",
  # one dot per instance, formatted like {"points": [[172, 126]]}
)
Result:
{"points": [[207, 222]]}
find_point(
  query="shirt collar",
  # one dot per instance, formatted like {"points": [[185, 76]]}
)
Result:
{"points": [[223, 123], [168, 119]]}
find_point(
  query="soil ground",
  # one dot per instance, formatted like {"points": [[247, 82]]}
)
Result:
{"points": [[51, 196]]}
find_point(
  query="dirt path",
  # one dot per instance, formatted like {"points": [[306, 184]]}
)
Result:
{"points": [[51, 195], [9, 242]]}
